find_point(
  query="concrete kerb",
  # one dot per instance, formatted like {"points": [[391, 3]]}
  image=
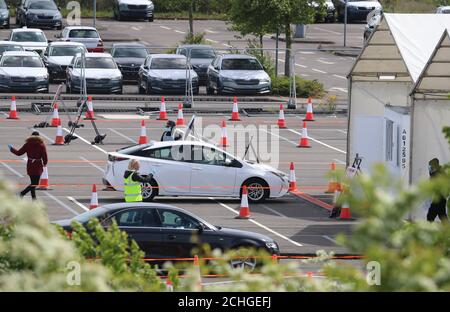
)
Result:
{"points": [[341, 50], [305, 40]]}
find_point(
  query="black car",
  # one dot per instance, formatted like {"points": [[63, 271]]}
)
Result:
{"points": [[133, 9], [129, 57], [39, 13], [165, 232], [357, 10], [200, 57], [4, 14]]}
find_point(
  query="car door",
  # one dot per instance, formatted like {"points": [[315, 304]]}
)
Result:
{"points": [[143, 72], [142, 225], [212, 173]]}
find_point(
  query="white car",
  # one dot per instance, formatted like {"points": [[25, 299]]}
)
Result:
{"points": [[59, 55], [443, 10], [31, 39], [192, 168], [88, 36]]}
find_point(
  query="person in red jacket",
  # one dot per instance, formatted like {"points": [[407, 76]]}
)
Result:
{"points": [[37, 158]]}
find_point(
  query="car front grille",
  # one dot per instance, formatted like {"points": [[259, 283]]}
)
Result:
{"points": [[366, 9], [137, 7], [45, 17], [97, 81], [174, 81], [22, 79], [251, 82]]}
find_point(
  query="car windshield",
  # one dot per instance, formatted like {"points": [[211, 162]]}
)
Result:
{"points": [[3, 4], [95, 213], [137, 52], [32, 36], [168, 63], [199, 53], [241, 64], [83, 33], [21, 61], [65, 51], [43, 5], [97, 62], [4, 48]]}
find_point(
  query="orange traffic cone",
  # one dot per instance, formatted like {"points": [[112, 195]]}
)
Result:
{"points": [[162, 110], [304, 143], [59, 140], [345, 212], [94, 198], [180, 118], [198, 274], [281, 120], [169, 285], [13, 109], [309, 111], [224, 138], [333, 184], [292, 179], [235, 112], [55, 119], [143, 138], [244, 211], [43, 182], [90, 111]]}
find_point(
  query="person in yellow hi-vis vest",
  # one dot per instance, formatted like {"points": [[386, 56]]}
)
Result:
{"points": [[132, 182]]}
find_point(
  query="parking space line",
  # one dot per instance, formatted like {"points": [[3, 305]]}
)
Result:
{"points": [[92, 164], [319, 71], [339, 76], [320, 142], [179, 31], [329, 31], [211, 31], [122, 135], [87, 142], [210, 40], [302, 66], [135, 28], [61, 203], [259, 224], [164, 27], [73, 200], [307, 52], [279, 136], [330, 239], [227, 45], [339, 161], [13, 170], [274, 211], [325, 62]]}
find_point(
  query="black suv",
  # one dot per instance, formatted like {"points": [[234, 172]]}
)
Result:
{"points": [[129, 57]]}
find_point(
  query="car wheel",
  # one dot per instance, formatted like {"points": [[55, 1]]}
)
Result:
{"points": [[243, 260], [150, 20], [149, 190], [257, 190], [68, 89]]}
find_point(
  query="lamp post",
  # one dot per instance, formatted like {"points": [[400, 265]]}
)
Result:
{"points": [[95, 12], [345, 23]]}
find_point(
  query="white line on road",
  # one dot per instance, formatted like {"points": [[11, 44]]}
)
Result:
{"points": [[227, 45], [61, 203], [302, 66], [213, 41], [87, 142], [339, 76], [73, 200], [122, 135], [344, 90], [339, 161], [259, 224], [135, 28], [329, 31], [13, 170], [320, 142], [342, 131], [164, 27], [307, 52], [48, 139], [211, 31], [280, 60], [272, 210], [179, 31], [325, 62], [330, 239], [283, 138], [319, 71], [304, 75], [92, 164]]}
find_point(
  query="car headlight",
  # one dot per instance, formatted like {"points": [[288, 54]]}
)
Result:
{"points": [[31, 16], [267, 80], [150, 7], [4, 77], [4, 14], [57, 16], [272, 245], [116, 79], [225, 79], [41, 78]]}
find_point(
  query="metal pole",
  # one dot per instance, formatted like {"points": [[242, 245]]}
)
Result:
{"points": [[276, 52], [345, 23], [95, 12]]}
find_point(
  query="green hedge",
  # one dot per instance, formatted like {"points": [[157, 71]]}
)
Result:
{"points": [[305, 88]]}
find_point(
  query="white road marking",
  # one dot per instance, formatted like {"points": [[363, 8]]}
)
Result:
{"points": [[61, 203], [164, 27], [259, 224], [343, 131], [122, 135], [283, 138], [135, 28], [330, 239], [272, 210], [329, 31], [320, 142], [73, 200], [213, 41], [227, 45], [280, 60], [302, 66], [319, 71], [211, 31], [307, 52], [339, 76], [179, 31], [13, 170], [344, 90], [325, 62], [46, 137], [92, 164], [304, 75], [339, 161], [123, 117], [87, 142]]}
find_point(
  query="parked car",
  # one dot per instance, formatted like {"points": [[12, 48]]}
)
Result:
{"points": [[10, 46], [357, 10], [237, 73], [129, 57], [101, 73], [22, 71], [59, 55], [191, 168], [4, 14], [165, 73], [373, 22], [31, 39], [330, 12], [133, 9], [39, 13], [88, 36], [443, 10], [201, 57], [165, 231]]}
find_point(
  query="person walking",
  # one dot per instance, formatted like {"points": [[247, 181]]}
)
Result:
{"points": [[132, 182], [36, 152], [438, 205]]}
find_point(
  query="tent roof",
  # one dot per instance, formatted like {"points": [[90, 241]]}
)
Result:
{"points": [[401, 46]]}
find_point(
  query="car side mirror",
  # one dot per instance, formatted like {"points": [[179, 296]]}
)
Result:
{"points": [[70, 66], [59, 9], [216, 68], [49, 40], [200, 228]]}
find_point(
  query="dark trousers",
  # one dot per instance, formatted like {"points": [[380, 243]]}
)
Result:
{"points": [[437, 210], [32, 187]]}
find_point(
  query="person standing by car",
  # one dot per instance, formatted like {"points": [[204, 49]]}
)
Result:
{"points": [[132, 182], [438, 205], [168, 134], [37, 158]]}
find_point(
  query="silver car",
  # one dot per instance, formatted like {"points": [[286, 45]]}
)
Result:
{"points": [[101, 72], [58, 56], [165, 73], [237, 74]]}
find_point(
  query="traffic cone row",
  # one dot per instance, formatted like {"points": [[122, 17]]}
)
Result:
{"points": [[235, 112], [162, 110], [90, 110], [304, 143], [94, 198], [56, 121], [224, 136], [59, 140], [281, 120], [244, 210], [309, 111], [333, 184], [13, 109], [292, 179], [143, 137], [180, 118]]}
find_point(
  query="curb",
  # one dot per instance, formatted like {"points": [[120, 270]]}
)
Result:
{"points": [[305, 40]]}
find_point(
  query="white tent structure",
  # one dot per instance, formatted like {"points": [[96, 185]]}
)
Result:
{"points": [[398, 96]]}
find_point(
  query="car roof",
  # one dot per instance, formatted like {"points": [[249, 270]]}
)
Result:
{"points": [[178, 56], [117, 206], [237, 56], [65, 43], [20, 53], [158, 144], [80, 27], [25, 29], [130, 44], [190, 46], [10, 43], [94, 54]]}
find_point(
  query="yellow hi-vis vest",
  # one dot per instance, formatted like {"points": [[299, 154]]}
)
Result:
{"points": [[132, 190]]}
